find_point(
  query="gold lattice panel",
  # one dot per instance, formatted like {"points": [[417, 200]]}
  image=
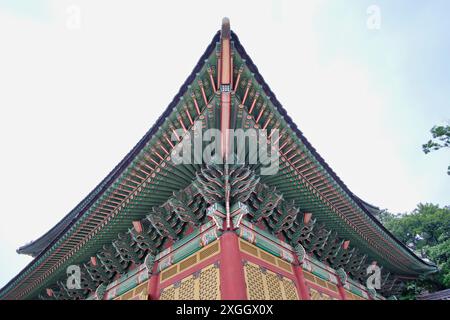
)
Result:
{"points": [[209, 282], [255, 282], [203, 285], [169, 293], [264, 284], [290, 290], [316, 295], [186, 291]]}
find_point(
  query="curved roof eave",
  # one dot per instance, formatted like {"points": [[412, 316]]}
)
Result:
{"points": [[35, 247], [293, 126], [38, 247]]}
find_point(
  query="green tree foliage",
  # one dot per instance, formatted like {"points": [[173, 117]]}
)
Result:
{"points": [[426, 230], [441, 139]]}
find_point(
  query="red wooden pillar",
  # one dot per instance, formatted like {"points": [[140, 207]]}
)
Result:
{"points": [[301, 285], [341, 289], [232, 279], [153, 284]]}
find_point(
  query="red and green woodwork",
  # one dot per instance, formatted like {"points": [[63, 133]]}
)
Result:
{"points": [[153, 229]]}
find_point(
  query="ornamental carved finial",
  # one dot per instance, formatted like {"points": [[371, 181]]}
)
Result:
{"points": [[225, 28], [342, 275], [100, 291], [300, 252], [149, 262]]}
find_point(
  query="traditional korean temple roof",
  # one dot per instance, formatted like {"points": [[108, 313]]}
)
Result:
{"points": [[100, 216]]}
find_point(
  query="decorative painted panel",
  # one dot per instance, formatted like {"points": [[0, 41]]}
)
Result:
{"points": [[319, 269], [206, 252], [261, 254], [357, 289], [187, 246], [126, 282], [352, 296], [138, 293], [320, 282], [264, 240]]}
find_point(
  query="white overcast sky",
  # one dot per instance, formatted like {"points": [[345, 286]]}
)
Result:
{"points": [[74, 101]]}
